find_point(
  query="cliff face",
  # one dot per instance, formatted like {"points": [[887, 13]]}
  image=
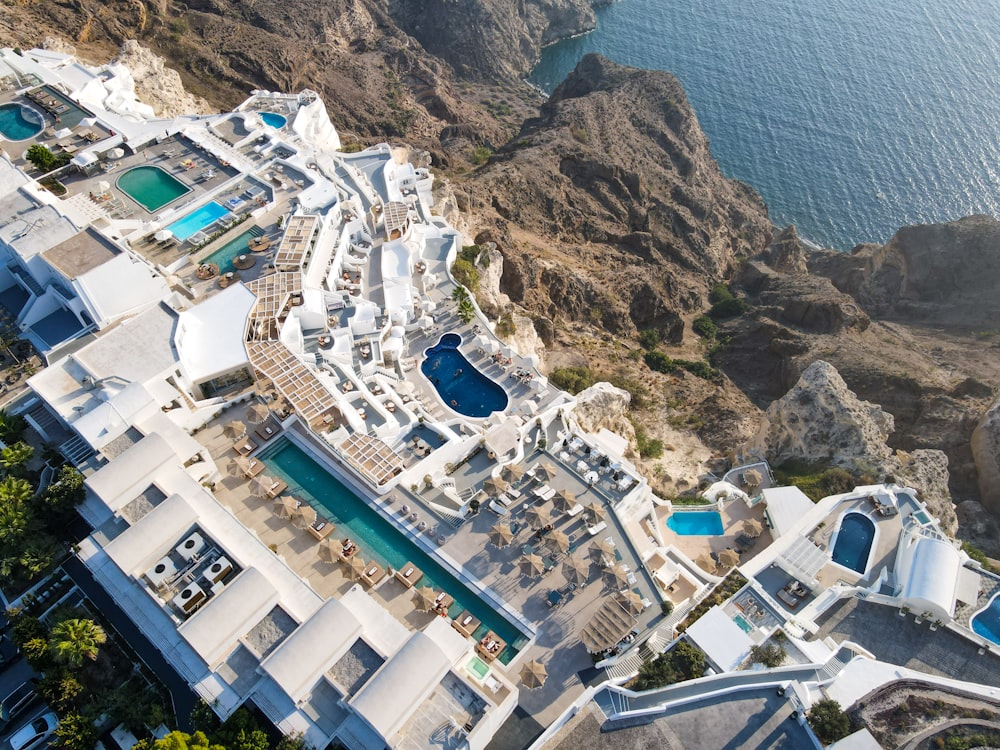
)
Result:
{"points": [[609, 208]]}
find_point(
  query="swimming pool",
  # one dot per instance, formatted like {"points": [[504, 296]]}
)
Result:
{"points": [[986, 622], [197, 220], [853, 542], [273, 119], [460, 385], [18, 123], [743, 624], [696, 523], [223, 257], [378, 538], [478, 668], [151, 187]]}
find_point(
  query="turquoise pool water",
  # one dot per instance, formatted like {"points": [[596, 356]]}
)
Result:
{"points": [[696, 523], [987, 622], [197, 220], [273, 119], [854, 542], [151, 187], [460, 385], [18, 123], [223, 257], [378, 538], [745, 626], [478, 667]]}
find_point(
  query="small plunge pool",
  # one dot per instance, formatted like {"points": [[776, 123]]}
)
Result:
{"points": [[853, 544]]}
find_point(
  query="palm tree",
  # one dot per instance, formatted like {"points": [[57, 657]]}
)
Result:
{"points": [[460, 293], [466, 311], [74, 640], [14, 521], [12, 426], [16, 455], [15, 492]]}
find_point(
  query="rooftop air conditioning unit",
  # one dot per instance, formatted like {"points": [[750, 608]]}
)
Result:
{"points": [[218, 570], [191, 547], [162, 572], [190, 597]]}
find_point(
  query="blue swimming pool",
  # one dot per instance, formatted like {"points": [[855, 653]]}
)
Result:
{"points": [[273, 119], [378, 538], [460, 385], [853, 543], [987, 621], [197, 220], [223, 257], [18, 123], [696, 523]]}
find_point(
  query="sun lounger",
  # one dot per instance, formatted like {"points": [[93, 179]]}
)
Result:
{"points": [[595, 530], [788, 599]]}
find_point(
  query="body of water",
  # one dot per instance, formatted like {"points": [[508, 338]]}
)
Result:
{"points": [[850, 117]]}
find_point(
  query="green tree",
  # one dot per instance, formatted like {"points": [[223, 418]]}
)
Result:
{"points": [[466, 311], [76, 639], [59, 688], [829, 721], [683, 662], [38, 555], [15, 456], [15, 492], [771, 655], [705, 327], [66, 491], [39, 155], [459, 293], [465, 273], [291, 742], [659, 361], [12, 426], [76, 732], [183, 741], [649, 338]]}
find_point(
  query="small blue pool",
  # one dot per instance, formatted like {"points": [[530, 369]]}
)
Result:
{"points": [[853, 543], [273, 119], [223, 257], [987, 621], [18, 123], [460, 385], [696, 523], [197, 220]]}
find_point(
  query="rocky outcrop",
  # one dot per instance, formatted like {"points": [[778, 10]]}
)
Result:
{"points": [[157, 85], [986, 454], [609, 208], [603, 405]]}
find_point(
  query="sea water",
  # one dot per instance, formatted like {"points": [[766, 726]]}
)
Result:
{"points": [[850, 117]]}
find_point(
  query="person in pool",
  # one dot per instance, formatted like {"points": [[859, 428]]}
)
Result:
{"points": [[454, 402]]}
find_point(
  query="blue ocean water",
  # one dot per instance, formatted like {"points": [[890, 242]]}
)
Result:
{"points": [[850, 117]]}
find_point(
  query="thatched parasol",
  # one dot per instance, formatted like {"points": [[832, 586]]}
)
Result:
{"points": [[424, 598], [538, 517], [501, 535], [631, 601], [706, 563], [328, 551], [238, 467], [545, 471], [729, 558], [596, 511], [615, 577], [261, 485], [602, 548], [533, 674], [305, 516], [563, 500], [494, 486], [531, 566], [752, 478], [285, 507], [557, 541], [258, 413], [234, 429], [512, 472], [355, 566], [753, 527], [576, 570]]}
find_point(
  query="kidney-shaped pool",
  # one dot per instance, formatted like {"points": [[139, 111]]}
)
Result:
{"points": [[459, 384]]}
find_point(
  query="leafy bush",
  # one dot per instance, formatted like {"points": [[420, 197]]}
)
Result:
{"points": [[683, 662], [465, 273], [815, 481], [977, 554], [719, 293], [727, 308], [700, 368], [705, 327], [829, 721], [648, 447], [659, 362], [572, 379], [649, 339], [481, 154], [771, 655]]}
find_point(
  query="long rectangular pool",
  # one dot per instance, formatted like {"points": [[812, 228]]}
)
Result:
{"points": [[378, 538], [197, 220], [696, 523]]}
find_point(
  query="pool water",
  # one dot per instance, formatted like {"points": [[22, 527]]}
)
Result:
{"points": [[745, 626], [151, 187], [273, 119], [18, 123], [478, 668], [854, 542], [987, 622], [223, 257], [378, 538], [197, 220], [460, 385], [696, 523]]}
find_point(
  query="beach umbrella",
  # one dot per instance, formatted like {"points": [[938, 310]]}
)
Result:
{"points": [[533, 674], [238, 467], [563, 500], [116, 153], [103, 186], [258, 413], [500, 535], [602, 548], [328, 552], [596, 511], [305, 516], [512, 472], [355, 567], [285, 507], [576, 570], [538, 517], [557, 541], [234, 429], [753, 527], [631, 601], [545, 471], [615, 577], [531, 565], [63, 133], [752, 478], [261, 485], [705, 562], [729, 558], [424, 598], [405, 388], [494, 486], [163, 235]]}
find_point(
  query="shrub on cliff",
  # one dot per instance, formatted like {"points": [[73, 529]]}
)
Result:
{"points": [[572, 379], [705, 327], [727, 308], [660, 362]]}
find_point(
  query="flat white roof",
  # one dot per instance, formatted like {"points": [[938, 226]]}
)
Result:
{"points": [[210, 335], [120, 481], [315, 646], [121, 286], [140, 546], [112, 418], [932, 566], [722, 640], [785, 507], [214, 630]]}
